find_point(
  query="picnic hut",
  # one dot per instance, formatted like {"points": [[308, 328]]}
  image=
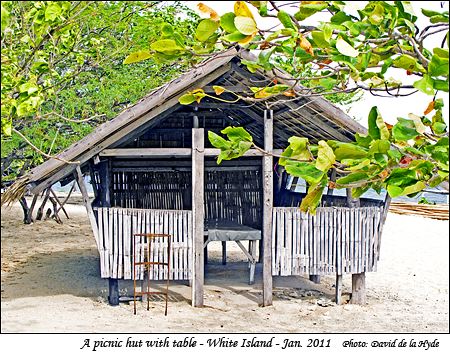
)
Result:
{"points": [[153, 169]]}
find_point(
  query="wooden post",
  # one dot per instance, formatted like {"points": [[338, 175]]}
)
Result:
{"points": [[224, 252], [358, 279], [26, 210], [338, 295], [105, 201], [198, 164], [113, 297], [30, 212], [40, 211], [267, 208], [359, 288]]}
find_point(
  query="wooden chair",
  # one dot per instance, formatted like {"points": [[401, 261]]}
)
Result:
{"points": [[147, 263]]}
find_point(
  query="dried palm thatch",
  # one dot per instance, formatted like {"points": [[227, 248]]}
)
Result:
{"points": [[439, 212], [16, 191]]}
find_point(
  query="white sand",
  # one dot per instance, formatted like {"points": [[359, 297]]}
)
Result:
{"points": [[51, 283]]}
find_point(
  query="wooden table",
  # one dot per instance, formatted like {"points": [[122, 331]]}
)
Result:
{"points": [[226, 230]]}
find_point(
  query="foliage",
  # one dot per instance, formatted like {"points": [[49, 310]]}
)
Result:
{"points": [[349, 51], [87, 80]]}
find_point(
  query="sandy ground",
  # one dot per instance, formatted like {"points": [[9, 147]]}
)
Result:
{"points": [[50, 282]]}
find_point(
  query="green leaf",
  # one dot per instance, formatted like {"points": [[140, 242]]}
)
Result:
{"points": [[362, 165], [276, 89], [234, 37], [167, 29], [381, 159], [28, 87], [394, 191], [357, 192], [363, 140], [404, 130], [137, 57], [319, 39], [350, 151], [345, 48], [307, 10], [439, 128], [306, 171], [430, 13], [187, 98], [227, 22], [52, 11], [297, 150], [264, 56], [441, 85], [438, 18], [237, 134], [415, 188], [438, 66], [245, 25], [395, 155], [379, 146], [352, 178], [377, 127], [224, 155], [286, 20], [426, 85], [325, 157], [7, 128], [312, 199], [340, 17], [217, 141], [408, 63], [5, 18], [299, 145], [401, 177], [205, 29], [166, 46], [441, 52], [327, 31]]}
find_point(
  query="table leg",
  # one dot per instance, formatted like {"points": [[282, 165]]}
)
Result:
{"points": [[252, 263], [224, 252]]}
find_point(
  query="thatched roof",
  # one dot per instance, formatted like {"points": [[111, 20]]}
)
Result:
{"points": [[313, 117]]}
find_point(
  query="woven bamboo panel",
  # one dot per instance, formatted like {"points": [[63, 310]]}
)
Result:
{"points": [[117, 227], [335, 240]]}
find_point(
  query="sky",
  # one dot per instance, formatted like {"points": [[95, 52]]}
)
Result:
{"points": [[391, 107]]}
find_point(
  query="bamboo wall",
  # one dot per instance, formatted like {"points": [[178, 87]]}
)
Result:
{"points": [[336, 240], [116, 228]]}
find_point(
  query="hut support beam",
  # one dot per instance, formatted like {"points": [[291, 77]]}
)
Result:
{"points": [[105, 200], [338, 295], [358, 279], [198, 173], [267, 208]]}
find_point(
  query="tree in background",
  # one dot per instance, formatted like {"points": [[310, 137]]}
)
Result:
{"points": [[63, 72], [368, 48]]}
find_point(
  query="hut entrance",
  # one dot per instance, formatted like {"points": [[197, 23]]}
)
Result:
{"points": [[233, 209]]}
